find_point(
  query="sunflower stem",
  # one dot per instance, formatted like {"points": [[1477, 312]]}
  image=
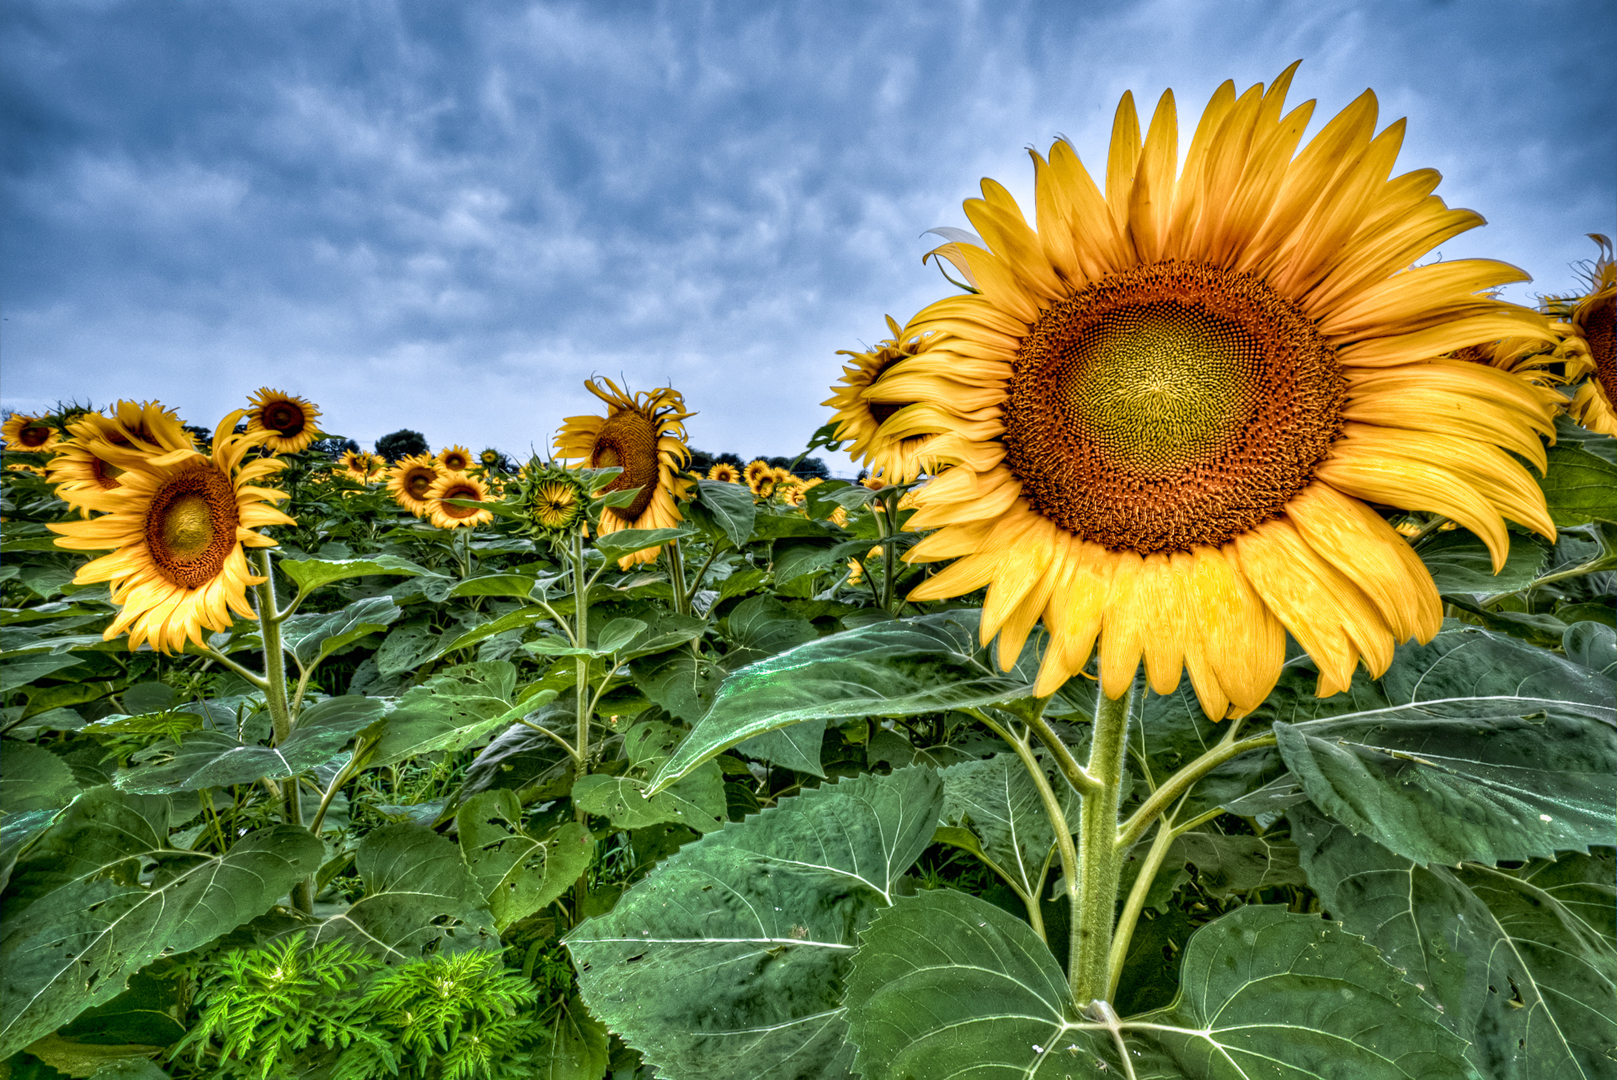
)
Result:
{"points": [[1181, 781], [247, 673], [275, 699], [676, 577], [1100, 856], [1167, 833], [581, 680]]}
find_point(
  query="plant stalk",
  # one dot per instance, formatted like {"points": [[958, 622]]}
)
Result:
{"points": [[275, 699], [1100, 856]]}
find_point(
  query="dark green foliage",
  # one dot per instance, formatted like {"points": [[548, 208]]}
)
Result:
{"points": [[402, 443]]}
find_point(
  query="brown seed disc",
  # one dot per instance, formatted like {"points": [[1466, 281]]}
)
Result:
{"points": [[1598, 329], [628, 441], [456, 463], [284, 418], [37, 434], [191, 526], [418, 480], [1169, 406], [105, 473], [461, 491]]}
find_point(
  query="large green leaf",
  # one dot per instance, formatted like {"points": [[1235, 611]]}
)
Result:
{"points": [[732, 508], [629, 541], [518, 874], [1461, 563], [310, 574], [312, 638], [208, 759], [454, 709], [1466, 661], [1579, 486], [1592, 645], [761, 626], [696, 800], [418, 895], [33, 778], [946, 984], [726, 963], [79, 921], [895, 668], [21, 670], [999, 802], [1523, 963], [1480, 779]]}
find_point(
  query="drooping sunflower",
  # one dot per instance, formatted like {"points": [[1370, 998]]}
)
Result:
{"points": [[410, 480], [644, 435], [724, 472], [446, 515], [33, 434], [101, 447], [177, 526], [1587, 335], [759, 474], [454, 459], [1204, 375], [289, 420]]}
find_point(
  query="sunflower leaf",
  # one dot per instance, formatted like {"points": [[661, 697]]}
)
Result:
{"points": [[947, 984], [1460, 563], [517, 585], [900, 667], [628, 541], [419, 895], [1520, 962], [208, 759], [732, 508], [310, 574], [78, 926], [312, 638], [517, 873], [1579, 486], [727, 961]]}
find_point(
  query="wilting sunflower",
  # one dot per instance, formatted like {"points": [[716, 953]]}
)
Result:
{"points": [[410, 480], [644, 435], [100, 447], [290, 420], [361, 465], [725, 473], [1203, 380], [446, 515], [1587, 334], [30, 433], [454, 459], [177, 526]]}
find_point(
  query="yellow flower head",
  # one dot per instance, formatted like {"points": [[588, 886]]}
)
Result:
{"points": [[289, 420], [454, 459], [760, 477], [361, 465], [100, 447], [177, 526], [1586, 333], [1203, 375], [29, 433], [446, 515], [411, 479], [725, 473], [644, 435]]}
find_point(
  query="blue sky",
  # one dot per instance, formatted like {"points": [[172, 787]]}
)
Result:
{"points": [[445, 216]]}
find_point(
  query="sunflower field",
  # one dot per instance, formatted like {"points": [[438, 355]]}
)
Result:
{"points": [[1211, 677]]}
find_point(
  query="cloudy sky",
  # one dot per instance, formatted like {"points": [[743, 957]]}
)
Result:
{"points": [[446, 215]]}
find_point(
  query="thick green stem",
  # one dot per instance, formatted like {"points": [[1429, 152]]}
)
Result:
{"points": [[676, 577], [275, 699], [1100, 856], [1181, 781]]}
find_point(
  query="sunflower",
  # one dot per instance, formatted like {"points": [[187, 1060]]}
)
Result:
{"points": [[725, 473], [33, 434], [177, 527], [1587, 337], [1203, 379], [290, 420], [454, 459], [410, 480], [644, 435], [360, 465], [101, 447], [554, 500], [759, 474], [456, 486]]}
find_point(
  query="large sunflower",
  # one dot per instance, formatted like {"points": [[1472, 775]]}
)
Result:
{"points": [[411, 479], [33, 434], [644, 435], [1202, 380], [725, 473], [289, 420], [177, 525], [1587, 336], [446, 515], [101, 447]]}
